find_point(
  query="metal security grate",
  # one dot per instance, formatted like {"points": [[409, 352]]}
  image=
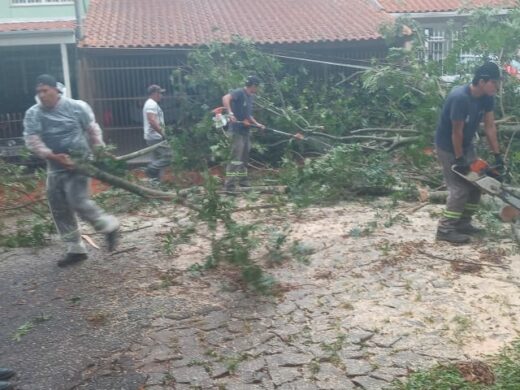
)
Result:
{"points": [[116, 90], [11, 125]]}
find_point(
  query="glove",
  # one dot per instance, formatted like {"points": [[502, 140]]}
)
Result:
{"points": [[461, 166]]}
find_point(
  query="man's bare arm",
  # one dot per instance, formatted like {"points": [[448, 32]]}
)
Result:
{"points": [[152, 120], [491, 132], [457, 137], [226, 102]]}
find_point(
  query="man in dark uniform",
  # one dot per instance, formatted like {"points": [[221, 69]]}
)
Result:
{"points": [[464, 108], [239, 104]]}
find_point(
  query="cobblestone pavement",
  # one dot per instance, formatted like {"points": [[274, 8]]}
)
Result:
{"points": [[375, 302], [370, 308]]}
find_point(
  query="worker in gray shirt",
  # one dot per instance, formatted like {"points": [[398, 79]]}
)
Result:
{"points": [[239, 104], [56, 129], [464, 108]]}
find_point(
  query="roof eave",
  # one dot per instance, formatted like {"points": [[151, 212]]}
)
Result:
{"points": [[37, 37], [190, 46], [441, 14]]}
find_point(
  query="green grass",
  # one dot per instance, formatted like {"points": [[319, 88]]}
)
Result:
{"points": [[27, 327], [505, 365]]}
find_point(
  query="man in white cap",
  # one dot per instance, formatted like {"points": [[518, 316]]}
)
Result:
{"points": [[154, 132], [55, 129]]}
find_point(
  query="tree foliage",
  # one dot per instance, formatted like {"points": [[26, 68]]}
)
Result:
{"points": [[363, 132]]}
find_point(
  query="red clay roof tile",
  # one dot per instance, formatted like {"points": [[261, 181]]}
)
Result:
{"points": [[169, 23], [37, 26]]}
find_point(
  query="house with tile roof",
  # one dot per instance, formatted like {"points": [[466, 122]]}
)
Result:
{"points": [[125, 45], [129, 44], [36, 36]]}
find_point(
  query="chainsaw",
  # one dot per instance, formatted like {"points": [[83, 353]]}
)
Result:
{"points": [[488, 179]]}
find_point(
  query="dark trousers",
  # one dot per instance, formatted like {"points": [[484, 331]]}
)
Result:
{"points": [[463, 197], [236, 170], [161, 159]]}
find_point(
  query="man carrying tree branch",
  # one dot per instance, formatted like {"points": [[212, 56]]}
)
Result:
{"points": [[55, 129], [239, 104], [464, 108]]}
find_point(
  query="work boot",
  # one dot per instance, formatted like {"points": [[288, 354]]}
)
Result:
{"points": [[6, 386], [468, 228], [71, 259], [452, 236], [152, 173], [229, 186], [6, 373], [112, 239]]}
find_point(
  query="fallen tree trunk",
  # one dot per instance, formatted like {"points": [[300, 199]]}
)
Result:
{"points": [[435, 197], [91, 171], [141, 152], [363, 137], [178, 197], [260, 189], [384, 130]]}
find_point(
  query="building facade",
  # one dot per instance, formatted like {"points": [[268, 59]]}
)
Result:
{"points": [[36, 36]]}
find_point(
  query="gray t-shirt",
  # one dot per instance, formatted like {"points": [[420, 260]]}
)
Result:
{"points": [[461, 106], [242, 107], [61, 128]]}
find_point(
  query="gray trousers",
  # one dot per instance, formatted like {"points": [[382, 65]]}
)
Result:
{"points": [[463, 197], [236, 170], [69, 196], [161, 159]]}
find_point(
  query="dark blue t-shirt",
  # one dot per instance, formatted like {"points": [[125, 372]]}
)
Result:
{"points": [[242, 107], [461, 106]]}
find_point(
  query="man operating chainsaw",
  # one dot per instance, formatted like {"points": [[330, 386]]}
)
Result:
{"points": [[239, 105], [464, 108]]}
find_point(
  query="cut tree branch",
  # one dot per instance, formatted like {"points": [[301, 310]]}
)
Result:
{"points": [[91, 171], [26, 205], [141, 152], [383, 129], [431, 255]]}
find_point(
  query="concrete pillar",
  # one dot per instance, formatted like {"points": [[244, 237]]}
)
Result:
{"points": [[66, 70]]}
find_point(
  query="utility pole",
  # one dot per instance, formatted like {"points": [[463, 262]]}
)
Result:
{"points": [[78, 9], [79, 19]]}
